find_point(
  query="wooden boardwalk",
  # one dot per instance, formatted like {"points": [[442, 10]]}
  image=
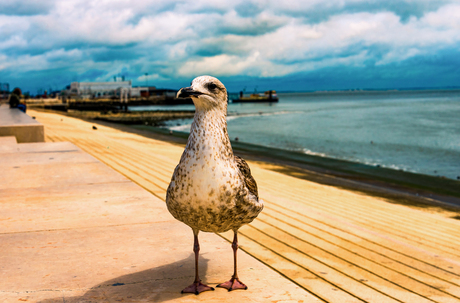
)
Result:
{"points": [[339, 245]]}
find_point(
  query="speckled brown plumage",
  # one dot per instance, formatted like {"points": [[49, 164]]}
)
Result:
{"points": [[211, 189], [248, 179]]}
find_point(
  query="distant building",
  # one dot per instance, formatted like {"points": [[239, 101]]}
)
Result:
{"points": [[87, 90], [114, 90], [140, 91]]}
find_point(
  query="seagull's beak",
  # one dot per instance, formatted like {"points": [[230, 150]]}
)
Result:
{"points": [[187, 92]]}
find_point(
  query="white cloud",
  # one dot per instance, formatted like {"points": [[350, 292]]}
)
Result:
{"points": [[258, 38], [398, 55], [305, 46], [447, 17], [49, 60]]}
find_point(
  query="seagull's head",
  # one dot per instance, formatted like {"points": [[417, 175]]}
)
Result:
{"points": [[206, 92]]}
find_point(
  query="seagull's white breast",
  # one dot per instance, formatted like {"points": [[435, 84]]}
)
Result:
{"points": [[203, 175], [207, 191]]}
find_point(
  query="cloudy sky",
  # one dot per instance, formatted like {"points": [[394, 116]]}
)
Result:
{"points": [[285, 45]]}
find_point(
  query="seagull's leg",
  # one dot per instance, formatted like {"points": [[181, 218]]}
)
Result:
{"points": [[234, 282], [197, 287]]}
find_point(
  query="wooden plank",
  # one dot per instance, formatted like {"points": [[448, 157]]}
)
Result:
{"points": [[339, 245]]}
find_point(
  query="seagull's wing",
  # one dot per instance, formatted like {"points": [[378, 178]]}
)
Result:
{"points": [[248, 179]]}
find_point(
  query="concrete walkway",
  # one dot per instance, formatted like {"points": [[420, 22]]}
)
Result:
{"points": [[338, 245], [74, 230]]}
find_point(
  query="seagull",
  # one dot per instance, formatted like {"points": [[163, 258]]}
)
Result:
{"points": [[211, 189]]}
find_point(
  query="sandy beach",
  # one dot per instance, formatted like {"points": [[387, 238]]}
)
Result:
{"points": [[339, 244]]}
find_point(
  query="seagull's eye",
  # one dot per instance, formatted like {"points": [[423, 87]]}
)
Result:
{"points": [[212, 86]]}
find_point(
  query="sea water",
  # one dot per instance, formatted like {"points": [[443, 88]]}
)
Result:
{"points": [[416, 131]]}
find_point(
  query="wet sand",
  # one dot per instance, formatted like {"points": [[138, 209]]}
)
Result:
{"points": [[130, 117]]}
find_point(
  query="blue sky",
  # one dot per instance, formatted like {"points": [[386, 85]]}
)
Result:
{"points": [[282, 45]]}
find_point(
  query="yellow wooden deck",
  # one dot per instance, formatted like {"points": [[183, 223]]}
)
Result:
{"points": [[339, 245]]}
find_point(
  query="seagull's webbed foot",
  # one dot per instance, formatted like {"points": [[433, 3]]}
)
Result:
{"points": [[196, 288], [232, 284]]}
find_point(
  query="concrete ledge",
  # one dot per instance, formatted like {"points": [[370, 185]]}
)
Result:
{"points": [[15, 123]]}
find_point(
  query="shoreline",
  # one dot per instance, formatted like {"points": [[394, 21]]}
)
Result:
{"points": [[396, 186], [406, 187], [154, 118]]}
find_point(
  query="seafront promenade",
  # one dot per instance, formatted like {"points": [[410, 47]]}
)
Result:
{"points": [[74, 230], [336, 245]]}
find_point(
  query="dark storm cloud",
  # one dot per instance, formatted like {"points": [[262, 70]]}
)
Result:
{"points": [[320, 11], [250, 28], [25, 7]]}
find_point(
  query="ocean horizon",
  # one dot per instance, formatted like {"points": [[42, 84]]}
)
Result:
{"points": [[414, 131]]}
